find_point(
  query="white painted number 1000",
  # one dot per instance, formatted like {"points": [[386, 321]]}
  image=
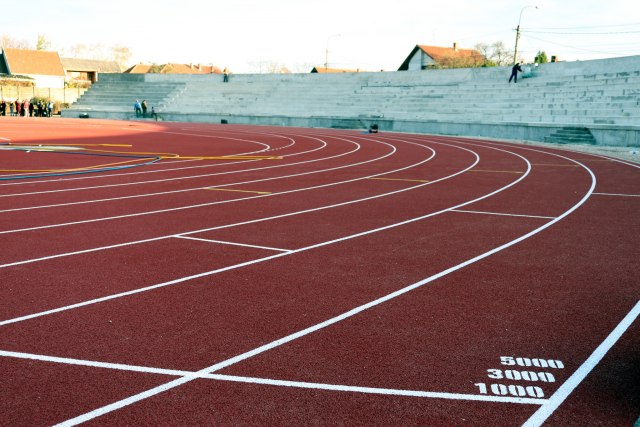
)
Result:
{"points": [[513, 390]]}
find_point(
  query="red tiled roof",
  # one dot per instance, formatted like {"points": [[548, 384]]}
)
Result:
{"points": [[446, 56], [175, 69], [138, 69], [332, 70], [440, 53], [34, 62]]}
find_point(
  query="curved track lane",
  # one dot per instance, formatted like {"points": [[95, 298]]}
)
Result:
{"points": [[360, 279]]}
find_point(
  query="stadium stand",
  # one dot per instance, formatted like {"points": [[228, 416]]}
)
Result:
{"points": [[586, 101]]}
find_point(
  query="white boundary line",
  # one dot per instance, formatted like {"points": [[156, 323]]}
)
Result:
{"points": [[255, 261], [265, 218], [272, 382], [545, 411], [178, 236], [502, 214]]}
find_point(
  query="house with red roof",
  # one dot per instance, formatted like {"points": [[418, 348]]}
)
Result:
{"points": [[44, 67], [423, 57]]}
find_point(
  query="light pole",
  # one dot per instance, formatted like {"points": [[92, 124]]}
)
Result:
{"points": [[326, 51], [515, 51]]}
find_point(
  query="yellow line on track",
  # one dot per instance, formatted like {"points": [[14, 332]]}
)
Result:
{"points": [[400, 179], [87, 168], [236, 191], [555, 165]]}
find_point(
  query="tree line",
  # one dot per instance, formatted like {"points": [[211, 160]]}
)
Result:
{"points": [[118, 53]]}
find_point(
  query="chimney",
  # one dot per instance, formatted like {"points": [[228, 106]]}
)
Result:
{"points": [[455, 46]]}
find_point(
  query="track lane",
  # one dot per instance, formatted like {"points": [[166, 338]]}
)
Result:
{"points": [[177, 409]]}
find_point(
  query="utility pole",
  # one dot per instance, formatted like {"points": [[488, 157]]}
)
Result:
{"points": [[326, 51], [515, 51]]}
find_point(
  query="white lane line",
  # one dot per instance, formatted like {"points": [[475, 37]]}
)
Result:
{"points": [[137, 214], [376, 390], [231, 243], [619, 195], [270, 381], [208, 273], [503, 214], [162, 388], [58, 180], [259, 260], [545, 411], [140, 290], [291, 143], [180, 178], [264, 218]]}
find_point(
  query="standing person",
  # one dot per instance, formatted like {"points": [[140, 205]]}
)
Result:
{"points": [[137, 107], [25, 107], [225, 75], [144, 108], [17, 108], [31, 110], [50, 108], [11, 107], [3, 108], [514, 72]]}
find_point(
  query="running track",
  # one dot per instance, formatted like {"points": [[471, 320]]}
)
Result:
{"points": [[357, 279]]}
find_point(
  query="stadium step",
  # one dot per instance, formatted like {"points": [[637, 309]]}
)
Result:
{"points": [[571, 135]]}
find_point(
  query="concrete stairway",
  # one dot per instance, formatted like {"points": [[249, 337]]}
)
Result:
{"points": [[571, 135]]}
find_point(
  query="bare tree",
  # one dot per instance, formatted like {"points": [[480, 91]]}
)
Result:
{"points": [[7, 41], [95, 51], [269, 66], [496, 53], [121, 54]]}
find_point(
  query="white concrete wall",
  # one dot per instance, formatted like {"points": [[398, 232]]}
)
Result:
{"points": [[53, 82]]}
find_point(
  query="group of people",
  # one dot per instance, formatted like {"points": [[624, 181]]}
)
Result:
{"points": [[141, 109], [26, 108]]}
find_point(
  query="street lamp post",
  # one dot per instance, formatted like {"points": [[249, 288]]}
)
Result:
{"points": [[515, 51], [326, 51]]}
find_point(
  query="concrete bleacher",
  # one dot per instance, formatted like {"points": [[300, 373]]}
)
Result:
{"points": [[118, 95], [601, 96]]}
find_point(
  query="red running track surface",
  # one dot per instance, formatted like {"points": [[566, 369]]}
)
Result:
{"points": [[358, 279]]}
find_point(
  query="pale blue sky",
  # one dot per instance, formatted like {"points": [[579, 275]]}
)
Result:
{"points": [[365, 34]]}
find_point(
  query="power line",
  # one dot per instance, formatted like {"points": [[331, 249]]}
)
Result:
{"points": [[578, 48], [566, 33], [585, 27]]}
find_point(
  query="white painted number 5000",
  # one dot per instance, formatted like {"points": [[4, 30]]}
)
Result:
{"points": [[507, 360]]}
